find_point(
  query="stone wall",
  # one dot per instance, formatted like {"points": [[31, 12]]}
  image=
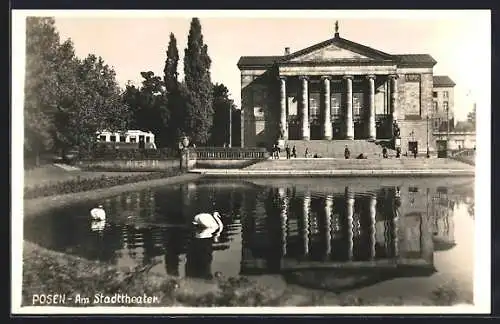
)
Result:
{"points": [[416, 130], [414, 94], [458, 140], [130, 165], [259, 106]]}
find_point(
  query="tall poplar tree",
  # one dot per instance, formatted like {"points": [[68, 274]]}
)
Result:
{"points": [[174, 101], [199, 110]]}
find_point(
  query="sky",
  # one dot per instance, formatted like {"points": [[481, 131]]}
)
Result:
{"points": [[131, 43]]}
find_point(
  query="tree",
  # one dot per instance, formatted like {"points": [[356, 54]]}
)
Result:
{"points": [[471, 117], [198, 94], [175, 104], [222, 106], [171, 63], [148, 106], [67, 100], [40, 97], [98, 102]]}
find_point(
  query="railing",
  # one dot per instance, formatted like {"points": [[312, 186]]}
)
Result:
{"points": [[466, 152], [467, 156], [233, 153]]}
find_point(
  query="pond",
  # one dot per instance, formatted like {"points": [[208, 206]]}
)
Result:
{"points": [[382, 236]]}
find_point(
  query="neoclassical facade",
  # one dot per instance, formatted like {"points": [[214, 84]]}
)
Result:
{"points": [[337, 90]]}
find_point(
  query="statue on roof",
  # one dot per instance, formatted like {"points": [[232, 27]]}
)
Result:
{"points": [[336, 27]]}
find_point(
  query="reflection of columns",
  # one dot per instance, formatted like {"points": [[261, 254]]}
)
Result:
{"points": [[349, 123], [305, 108], [349, 212], [373, 213], [284, 219], [283, 120], [395, 225], [306, 207], [327, 123], [371, 107], [328, 223], [394, 96]]}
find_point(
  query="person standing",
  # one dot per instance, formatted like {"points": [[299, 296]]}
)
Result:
{"points": [[306, 153], [287, 149], [294, 152], [347, 153], [384, 153]]}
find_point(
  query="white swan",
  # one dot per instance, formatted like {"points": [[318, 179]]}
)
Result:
{"points": [[208, 221], [98, 213]]}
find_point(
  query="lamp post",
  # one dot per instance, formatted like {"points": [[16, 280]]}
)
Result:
{"points": [[428, 153], [230, 125]]}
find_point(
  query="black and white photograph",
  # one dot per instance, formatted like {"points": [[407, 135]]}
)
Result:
{"points": [[257, 162]]}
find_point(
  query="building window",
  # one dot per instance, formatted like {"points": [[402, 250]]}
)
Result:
{"points": [[147, 139], [102, 138], [437, 122], [335, 105], [445, 106], [434, 94], [133, 139], [112, 138], [357, 104], [123, 138], [435, 104], [445, 94], [314, 107]]}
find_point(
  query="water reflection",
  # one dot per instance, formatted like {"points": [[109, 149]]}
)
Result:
{"points": [[268, 228]]}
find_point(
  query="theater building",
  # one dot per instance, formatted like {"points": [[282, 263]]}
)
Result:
{"points": [[338, 90]]}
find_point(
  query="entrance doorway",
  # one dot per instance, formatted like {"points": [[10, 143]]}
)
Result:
{"points": [[412, 146], [359, 130]]}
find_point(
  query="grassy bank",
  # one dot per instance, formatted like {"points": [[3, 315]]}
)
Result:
{"points": [[49, 271], [32, 207]]}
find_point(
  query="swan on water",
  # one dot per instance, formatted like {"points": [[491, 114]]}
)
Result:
{"points": [[207, 220], [98, 213]]}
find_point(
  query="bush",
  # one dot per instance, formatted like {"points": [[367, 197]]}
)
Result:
{"points": [[108, 154], [86, 184]]}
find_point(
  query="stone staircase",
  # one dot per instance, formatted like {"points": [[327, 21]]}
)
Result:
{"points": [[404, 163], [335, 149]]}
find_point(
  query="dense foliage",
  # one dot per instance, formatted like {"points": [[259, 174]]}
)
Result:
{"points": [[67, 99]]}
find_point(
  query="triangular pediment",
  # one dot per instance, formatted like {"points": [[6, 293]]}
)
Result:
{"points": [[330, 53], [337, 49]]}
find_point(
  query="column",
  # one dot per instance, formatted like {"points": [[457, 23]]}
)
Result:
{"points": [[306, 207], [394, 96], [283, 119], [349, 195], [349, 123], [305, 108], [372, 132], [328, 224], [284, 219], [327, 123], [373, 213]]}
